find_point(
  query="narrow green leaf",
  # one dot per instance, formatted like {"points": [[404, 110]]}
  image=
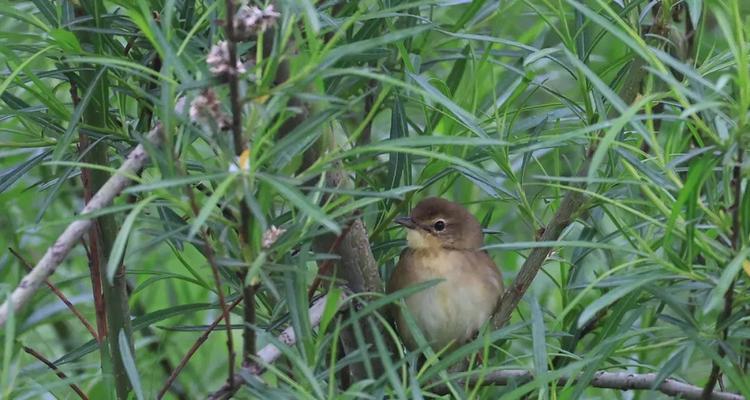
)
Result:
{"points": [[64, 141], [173, 182], [716, 297], [140, 322], [462, 115], [331, 307], [118, 248], [361, 46], [612, 296], [19, 68], [129, 363], [311, 14], [695, 7], [11, 175], [538, 341], [66, 40], [209, 206], [47, 8], [300, 201]]}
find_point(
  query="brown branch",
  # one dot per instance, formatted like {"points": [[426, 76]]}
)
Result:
{"points": [[248, 291], [563, 217], [57, 371], [201, 339], [56, 253], [569, 206], [234, 87], [271, 353], [726, 313], [154, 346], [209, 254], [325, 268], [605, 380], [94, 262], [92, 254], [60, 295]]}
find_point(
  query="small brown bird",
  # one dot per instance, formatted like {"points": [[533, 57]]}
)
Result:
{"points": [[444, 241]]}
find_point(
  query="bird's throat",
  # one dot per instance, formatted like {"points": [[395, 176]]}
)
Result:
{"points": [[417, 239]]}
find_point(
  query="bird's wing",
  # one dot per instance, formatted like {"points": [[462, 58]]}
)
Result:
{"points": [[397, 281], [489, 267]]}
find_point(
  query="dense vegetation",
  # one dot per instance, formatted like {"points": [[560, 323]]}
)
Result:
{"points": [[283, 144]]}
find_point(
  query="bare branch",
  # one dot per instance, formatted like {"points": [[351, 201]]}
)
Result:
{"points": [[563, 217], [73, 233], [607, 380], [60, 295], [208, 252], [569, 206], [57, 371], [201, 339]]}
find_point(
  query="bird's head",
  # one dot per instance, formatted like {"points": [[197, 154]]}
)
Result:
{"points": [[439, 223]]}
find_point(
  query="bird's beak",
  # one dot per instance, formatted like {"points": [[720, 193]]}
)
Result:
{"points": [[407, 222]]}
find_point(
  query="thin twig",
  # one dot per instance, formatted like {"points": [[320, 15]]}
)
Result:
{"points": [[60, 295], [57, 371], [201, 339], [209, 254], [605, 380], [56, 253]]}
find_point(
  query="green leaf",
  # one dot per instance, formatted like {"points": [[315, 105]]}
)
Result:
{"points": [[118, 248], [174, 182], [140, 322], [695, 7], [129, 363], [209, 206], [612, 296], [300, 201], [66, 40], [538, 341], [331, 307], [15, 70], [716, 297], [11, 175], [63, 142], [462, 115]]}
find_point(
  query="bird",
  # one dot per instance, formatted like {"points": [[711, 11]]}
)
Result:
{"points": [[444, 242]]}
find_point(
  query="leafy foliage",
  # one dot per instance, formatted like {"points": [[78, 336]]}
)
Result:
{"points": [[492, 104]]}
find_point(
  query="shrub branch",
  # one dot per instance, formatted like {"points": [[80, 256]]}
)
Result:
{"points": [[56, 253], [56, 370], [606, 380]]}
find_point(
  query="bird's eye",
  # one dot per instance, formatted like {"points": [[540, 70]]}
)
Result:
{"points": [[439, 225]]}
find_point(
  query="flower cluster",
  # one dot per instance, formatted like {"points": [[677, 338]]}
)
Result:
{"points": [[206, 109], [218, 61], [249, 21], [271, 235]]}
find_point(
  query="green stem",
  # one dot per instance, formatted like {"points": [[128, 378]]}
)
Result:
{"points": [[105, 229]]}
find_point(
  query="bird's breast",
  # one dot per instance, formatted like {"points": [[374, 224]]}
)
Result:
{"points": [[454, 309]]}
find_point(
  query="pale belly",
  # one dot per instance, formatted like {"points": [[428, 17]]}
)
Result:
{"points": [[451, 311]]}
